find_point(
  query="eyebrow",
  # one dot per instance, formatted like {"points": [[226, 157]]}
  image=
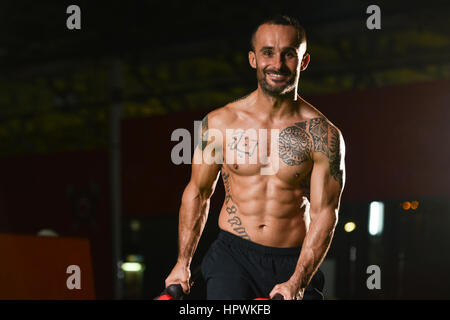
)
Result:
{"points": [[284, 49]]}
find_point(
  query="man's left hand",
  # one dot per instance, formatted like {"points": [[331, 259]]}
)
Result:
{"points": [[289, 290]]}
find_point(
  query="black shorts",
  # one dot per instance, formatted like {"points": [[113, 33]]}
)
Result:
{"points": [[235, 268]]}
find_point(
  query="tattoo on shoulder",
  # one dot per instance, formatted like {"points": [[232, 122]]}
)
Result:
{"points": [[326, 140], [318, 127], [301, 125], [335, 156], [294, 144], [204, 137]]}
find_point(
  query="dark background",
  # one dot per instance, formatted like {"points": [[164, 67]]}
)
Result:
{"points": [[387, 90]]}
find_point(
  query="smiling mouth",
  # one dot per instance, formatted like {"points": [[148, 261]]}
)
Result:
{"points": [[276, 77]]}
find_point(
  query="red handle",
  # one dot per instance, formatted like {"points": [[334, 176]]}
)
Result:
{"points": [[172, 292], [275, 297]]}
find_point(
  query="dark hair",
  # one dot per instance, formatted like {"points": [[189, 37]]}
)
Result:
{"points": [[282, 20]]}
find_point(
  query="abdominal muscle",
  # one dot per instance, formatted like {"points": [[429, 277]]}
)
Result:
{"points": [[269, 221]]}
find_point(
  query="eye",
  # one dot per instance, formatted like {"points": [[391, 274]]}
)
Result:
{"points": [[291, 54], [267, 52]]}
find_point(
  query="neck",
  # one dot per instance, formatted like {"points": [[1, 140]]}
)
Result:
{"points": [[276, 107]]}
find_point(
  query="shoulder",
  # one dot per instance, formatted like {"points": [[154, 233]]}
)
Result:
{"points": [[317, 124], [319, 135], [320, 127], [326, 138], [327, 144], [222, 117]]}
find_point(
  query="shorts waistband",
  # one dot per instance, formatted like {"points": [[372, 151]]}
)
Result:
{"points": [[235, 240]]}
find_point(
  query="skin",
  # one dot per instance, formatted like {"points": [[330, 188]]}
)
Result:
{"points": [[299, 203]]}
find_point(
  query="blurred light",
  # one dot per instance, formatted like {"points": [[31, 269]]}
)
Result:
{"points": [[376, 217], [135, 225], [47, 233], [414, 205], [349, 226], [131, 266], [406, 205], [353, 254], [134, 258]]}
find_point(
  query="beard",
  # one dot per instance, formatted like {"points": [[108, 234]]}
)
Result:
{"points": [[280, 90]]}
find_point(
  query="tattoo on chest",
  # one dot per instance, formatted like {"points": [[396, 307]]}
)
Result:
{"points": [[294, 144], [234, 221], [243, 144]]}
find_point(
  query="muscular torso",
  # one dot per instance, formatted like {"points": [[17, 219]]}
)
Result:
{"points": [[269, 209]]}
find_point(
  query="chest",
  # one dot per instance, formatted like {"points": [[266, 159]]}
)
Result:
{"points": [[281, 152]]}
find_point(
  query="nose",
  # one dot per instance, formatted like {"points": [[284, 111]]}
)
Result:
{"points": [[278, 61]]}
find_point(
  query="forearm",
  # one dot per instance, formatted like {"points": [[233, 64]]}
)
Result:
{"points": [[315, 247], [192, 219]]}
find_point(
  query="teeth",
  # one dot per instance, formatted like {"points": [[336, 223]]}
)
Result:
{"points": [[276, 75]]}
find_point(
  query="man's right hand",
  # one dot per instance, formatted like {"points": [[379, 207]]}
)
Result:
{"points": [[180, 274]]}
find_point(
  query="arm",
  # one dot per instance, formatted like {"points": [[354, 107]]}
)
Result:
{"points": [[327, 181], [194, 211]]}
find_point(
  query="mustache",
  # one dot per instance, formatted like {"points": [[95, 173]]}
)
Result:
{"points": [[281, 72]]}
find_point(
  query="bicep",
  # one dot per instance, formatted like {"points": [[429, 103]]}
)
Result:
{"points": [[204, 176], [328, 173], [206, 162]]}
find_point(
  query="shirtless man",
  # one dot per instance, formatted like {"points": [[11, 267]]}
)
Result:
{"points": [[275, 229]]}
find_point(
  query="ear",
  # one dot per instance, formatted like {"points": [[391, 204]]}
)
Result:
{"points": [[305, 61], [252, 59]]}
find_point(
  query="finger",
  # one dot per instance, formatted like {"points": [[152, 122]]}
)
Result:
{"points": [[186, 287], [183, 285], [273, 292], [283, 292], [175, 291], [298, 296], [277, 296], [276, 290]]}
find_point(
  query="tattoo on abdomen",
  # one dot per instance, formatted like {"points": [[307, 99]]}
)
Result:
{"points": [[294, 144], [234, 221]]}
